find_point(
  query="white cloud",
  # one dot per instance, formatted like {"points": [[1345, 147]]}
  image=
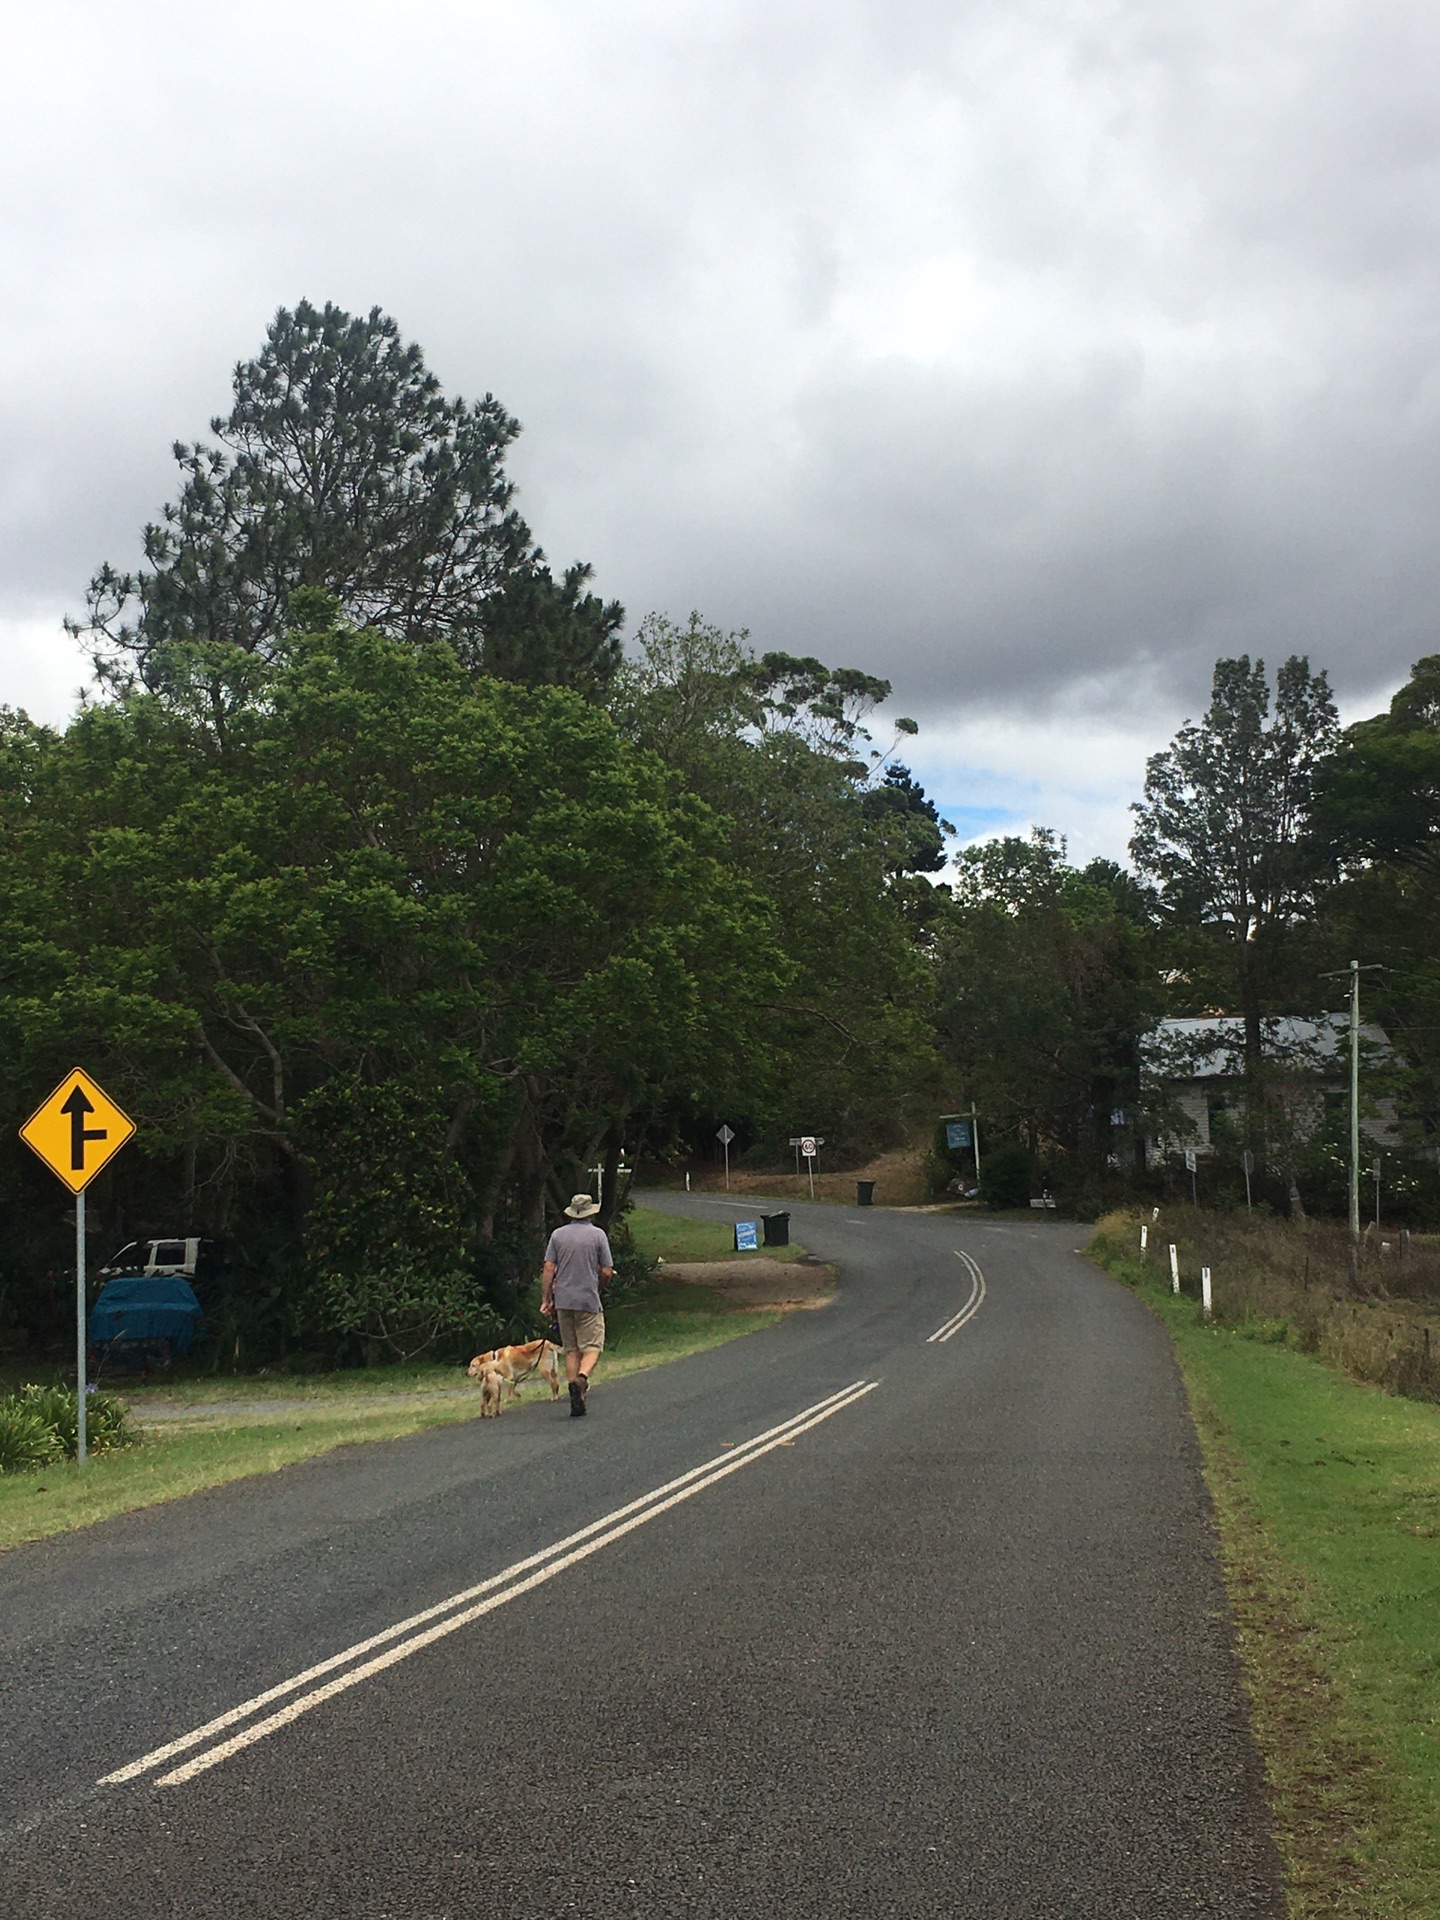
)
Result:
{"points": [[41, 668], [1002, 350]]}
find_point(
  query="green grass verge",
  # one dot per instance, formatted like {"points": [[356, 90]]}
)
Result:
{"points": [[670, 1236], [314, 1414], [1327, 1499]]}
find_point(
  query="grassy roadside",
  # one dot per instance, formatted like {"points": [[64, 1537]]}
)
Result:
{"points": [[234, 1426], [673, 1237], [1327, 1500]]}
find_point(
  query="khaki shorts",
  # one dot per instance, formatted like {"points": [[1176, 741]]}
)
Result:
{"points": [[581, 1332]]}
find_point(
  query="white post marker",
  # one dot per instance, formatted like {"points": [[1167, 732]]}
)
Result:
{"points": [[1144, 1236], [1205, 1300], [75, 1153], [1174, 1267], [725, 1136]]}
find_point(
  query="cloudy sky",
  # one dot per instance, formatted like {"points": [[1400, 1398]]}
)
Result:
{"points": [[1029, 352]]}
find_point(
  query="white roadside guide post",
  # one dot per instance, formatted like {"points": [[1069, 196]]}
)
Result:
{"points": [[725, 1136], [1205, 1299], [1144, 1238], [75, 1153], [1174, 1268]]}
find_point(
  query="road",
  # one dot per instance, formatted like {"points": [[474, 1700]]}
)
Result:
{"points": [[908, 1606]]}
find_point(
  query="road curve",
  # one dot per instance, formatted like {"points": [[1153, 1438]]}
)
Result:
{"points": [[908, 1606]]}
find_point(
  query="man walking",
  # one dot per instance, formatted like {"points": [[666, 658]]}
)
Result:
{"points": [[578, 1264]]}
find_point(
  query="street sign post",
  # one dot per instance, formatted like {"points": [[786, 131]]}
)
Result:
{"points": [[76, 1132], [960, 1132], [1190, 1163], [725, 1136], [808, 1145]]}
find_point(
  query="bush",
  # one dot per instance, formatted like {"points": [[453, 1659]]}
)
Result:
{"points": [[1005, 1176], [51, 1411], [27, 1441]]}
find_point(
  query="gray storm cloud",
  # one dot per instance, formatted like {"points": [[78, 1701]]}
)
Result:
{"points": [[1027, 354]]}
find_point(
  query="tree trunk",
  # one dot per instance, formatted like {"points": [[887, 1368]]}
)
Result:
{"points": [[610, 1194]]}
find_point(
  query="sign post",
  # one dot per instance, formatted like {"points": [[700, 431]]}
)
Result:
{"points": [[808, 1146], [1247, 1160], [961, 1132], [1190, 1169], [75, 1152], [725, 1136]]}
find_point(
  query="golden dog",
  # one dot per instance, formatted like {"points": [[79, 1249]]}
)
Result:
{"points": [[517, 1364], [492, 1388]]}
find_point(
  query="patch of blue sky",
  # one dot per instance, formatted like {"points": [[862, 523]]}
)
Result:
{"points": [[975, 822]]}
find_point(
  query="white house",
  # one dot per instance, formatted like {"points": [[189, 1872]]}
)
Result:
{"points": [[1199, 1067]]}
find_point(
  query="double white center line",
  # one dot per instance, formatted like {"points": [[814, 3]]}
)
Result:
{"points": [[971, 1307], [420, 1630]]}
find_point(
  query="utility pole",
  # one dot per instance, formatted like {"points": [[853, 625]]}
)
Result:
{"points": [[1354, 1122], [1354, 976]]}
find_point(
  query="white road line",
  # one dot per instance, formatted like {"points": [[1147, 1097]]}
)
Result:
{"points": [[972, 1306], [630, 1516]]}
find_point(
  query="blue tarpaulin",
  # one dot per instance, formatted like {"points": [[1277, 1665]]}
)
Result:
{"points": [[159, 1306]]}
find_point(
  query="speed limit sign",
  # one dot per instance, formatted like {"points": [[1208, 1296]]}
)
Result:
{"points": [[807, 1146]]}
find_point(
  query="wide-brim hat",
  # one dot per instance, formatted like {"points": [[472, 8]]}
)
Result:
{"points": [[582, 1206]]}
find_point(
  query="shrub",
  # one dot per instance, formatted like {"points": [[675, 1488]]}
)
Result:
{"points": [[27, 1441], [1005, 1176], [107, 1423]]}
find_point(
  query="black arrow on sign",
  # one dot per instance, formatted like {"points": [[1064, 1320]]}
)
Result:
{"points": [[77, 1106]]}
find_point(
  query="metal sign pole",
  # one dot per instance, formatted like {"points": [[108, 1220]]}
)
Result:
{"points": [[80, 1327], [975, 1139]]}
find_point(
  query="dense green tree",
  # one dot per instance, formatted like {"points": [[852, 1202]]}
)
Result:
{"points": [[395, 947], [1378, 798], [1045, 981], [778, 747], [342, 466], [1225, 832], [1378, 808]]}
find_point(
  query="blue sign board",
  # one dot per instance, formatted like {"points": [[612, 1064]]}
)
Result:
{"points": [[746, 1236], [957, 1133]]}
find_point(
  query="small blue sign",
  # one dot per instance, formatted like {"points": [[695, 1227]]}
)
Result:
{"points": [[747, 1236], [957, 1133]]}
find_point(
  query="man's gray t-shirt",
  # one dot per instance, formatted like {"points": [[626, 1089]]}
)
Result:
{"points": [[578, 1251]]}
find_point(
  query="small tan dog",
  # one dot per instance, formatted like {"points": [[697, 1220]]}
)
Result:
{"points": [[492, 1388], [517, 1364]]}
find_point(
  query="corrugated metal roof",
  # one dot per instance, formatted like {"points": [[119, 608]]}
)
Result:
{"points": [[1286, 1036]]}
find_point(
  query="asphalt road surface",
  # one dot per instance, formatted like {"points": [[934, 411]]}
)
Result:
{"points": [[906, 1607]]}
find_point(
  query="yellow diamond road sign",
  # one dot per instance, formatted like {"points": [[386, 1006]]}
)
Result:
{"points": [[77, 1130]]}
